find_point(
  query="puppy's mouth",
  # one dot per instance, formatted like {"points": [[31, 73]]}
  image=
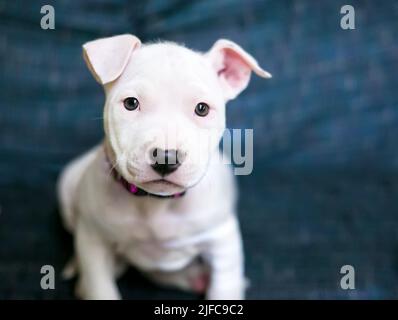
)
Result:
{"points": [[164, 183], [163, 187]]}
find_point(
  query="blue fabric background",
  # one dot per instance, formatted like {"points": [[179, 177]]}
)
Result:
{"points": [[324, 190]]}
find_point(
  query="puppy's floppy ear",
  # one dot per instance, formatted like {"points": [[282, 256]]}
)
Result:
{"points": [[107, 57], [233, 66]]}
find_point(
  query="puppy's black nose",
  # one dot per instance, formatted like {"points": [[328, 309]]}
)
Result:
{"points": [[164, 161]]}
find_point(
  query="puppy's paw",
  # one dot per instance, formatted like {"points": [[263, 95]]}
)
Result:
{"points": [[226, 291], [70, 270], [84, 293]]}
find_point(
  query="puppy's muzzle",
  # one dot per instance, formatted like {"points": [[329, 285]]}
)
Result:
{"points": [[165, 161]]}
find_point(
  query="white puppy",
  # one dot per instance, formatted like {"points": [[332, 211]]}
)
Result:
{"points": [[142, 197]]}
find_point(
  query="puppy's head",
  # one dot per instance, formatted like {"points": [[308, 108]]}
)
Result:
{"points": [[165, 106]]}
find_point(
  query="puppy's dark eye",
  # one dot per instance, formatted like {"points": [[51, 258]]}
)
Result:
{"points": [[131, 103], [202, 109]]}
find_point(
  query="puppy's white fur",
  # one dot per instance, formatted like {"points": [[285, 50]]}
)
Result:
{"points": [[160, 236]]}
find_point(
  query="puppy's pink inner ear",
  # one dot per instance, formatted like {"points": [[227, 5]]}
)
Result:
{"points": [[234, 69]]}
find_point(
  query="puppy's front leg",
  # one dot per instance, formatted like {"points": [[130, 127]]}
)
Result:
{"points": [[96, 265], [224, 254]]}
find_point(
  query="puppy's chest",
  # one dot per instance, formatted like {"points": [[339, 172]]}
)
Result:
{"points": [[144, 239], [125, 227]]}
